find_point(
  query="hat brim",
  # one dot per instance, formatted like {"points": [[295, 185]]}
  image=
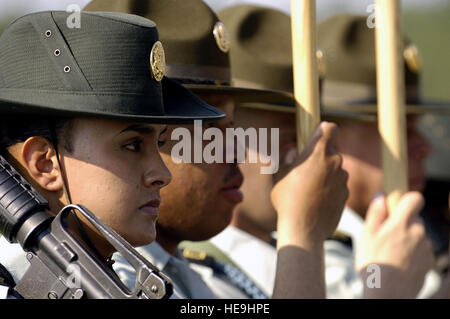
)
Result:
{"points": [[326, 114], [424, 107], [245, 95], [183, 106], [180, 105]]}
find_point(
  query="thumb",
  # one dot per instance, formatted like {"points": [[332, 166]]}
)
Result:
{"points": [[314, 139], [409, 207], [377, 213], [330, 135]]}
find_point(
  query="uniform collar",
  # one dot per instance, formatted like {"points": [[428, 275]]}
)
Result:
{"points": [[237, 244], [232, 237]]}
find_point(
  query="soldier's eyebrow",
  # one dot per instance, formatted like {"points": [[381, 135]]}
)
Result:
{"points": [[142, 129], [139, 128]]}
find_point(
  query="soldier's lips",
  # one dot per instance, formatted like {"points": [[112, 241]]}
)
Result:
{"points": [[233, 195], [231, 190], [151, 208]]}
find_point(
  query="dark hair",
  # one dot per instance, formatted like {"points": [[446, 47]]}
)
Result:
{"points": [[16, 129]]}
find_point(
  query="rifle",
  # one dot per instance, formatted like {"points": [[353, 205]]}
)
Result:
{"points": [[62, 267]]}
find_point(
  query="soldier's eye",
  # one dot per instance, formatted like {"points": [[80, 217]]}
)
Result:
{"points": [[134, 146], [161, 143]]}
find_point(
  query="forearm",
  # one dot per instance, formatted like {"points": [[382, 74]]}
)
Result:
{"points": [[300, 269]]}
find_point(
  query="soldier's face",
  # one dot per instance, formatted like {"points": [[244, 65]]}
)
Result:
{"points": [[257, 207], [360, 145], [115, 170], [199, 202]]}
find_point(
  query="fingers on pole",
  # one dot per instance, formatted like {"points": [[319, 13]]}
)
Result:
{"points": [[377, 213], [409, 207]]}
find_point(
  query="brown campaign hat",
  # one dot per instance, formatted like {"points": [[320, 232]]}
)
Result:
{"points": [[196, 43], [350, 83], [261, 54]]}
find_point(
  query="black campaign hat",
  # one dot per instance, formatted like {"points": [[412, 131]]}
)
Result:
{"points": [[111, 66]]}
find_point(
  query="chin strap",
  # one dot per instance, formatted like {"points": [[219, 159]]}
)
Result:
{"points": [[82, 231], [54, 140]]}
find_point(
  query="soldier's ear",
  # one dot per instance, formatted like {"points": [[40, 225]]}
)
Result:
{"points": [[39, 159]]}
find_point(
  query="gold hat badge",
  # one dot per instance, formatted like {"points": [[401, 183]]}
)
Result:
{"points": [[412, 57], [222, 37], [158, 61]]}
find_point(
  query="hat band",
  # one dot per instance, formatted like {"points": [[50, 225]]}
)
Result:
{"points": [[199, 73], [345, 93], [113, 104], [268, 107]]}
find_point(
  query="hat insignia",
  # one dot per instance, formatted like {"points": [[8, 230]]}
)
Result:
{"points": [[412, 57], [158, 61], [222, 37]]}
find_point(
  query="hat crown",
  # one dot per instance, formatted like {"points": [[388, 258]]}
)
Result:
{"points": [[350, 53], [261, 50], [101, 67], [186, 28], [350, 83], [111, 52], [104, 65]]}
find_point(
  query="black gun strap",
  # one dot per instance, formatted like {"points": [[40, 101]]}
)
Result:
{"points": [[6, 278]]}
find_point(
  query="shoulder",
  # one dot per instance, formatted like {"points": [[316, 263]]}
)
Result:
{"points": [[7, 285], [339, 252], [6, 278], [204, 252], [13, 258], [341, 278], [8, 293], [224, 278]]}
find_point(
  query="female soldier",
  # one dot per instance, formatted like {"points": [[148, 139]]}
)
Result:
{"points": [[82, 116]]}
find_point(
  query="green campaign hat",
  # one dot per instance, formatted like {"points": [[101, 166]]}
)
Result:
{"points": [[111, 66], [350, 82], [261, 54], [197, 45]]}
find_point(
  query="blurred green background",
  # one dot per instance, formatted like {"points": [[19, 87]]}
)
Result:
{"points": [[429, 29]]}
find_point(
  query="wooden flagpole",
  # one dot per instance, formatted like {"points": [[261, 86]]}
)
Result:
{"points": [[306, 81], [391, 99]]}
